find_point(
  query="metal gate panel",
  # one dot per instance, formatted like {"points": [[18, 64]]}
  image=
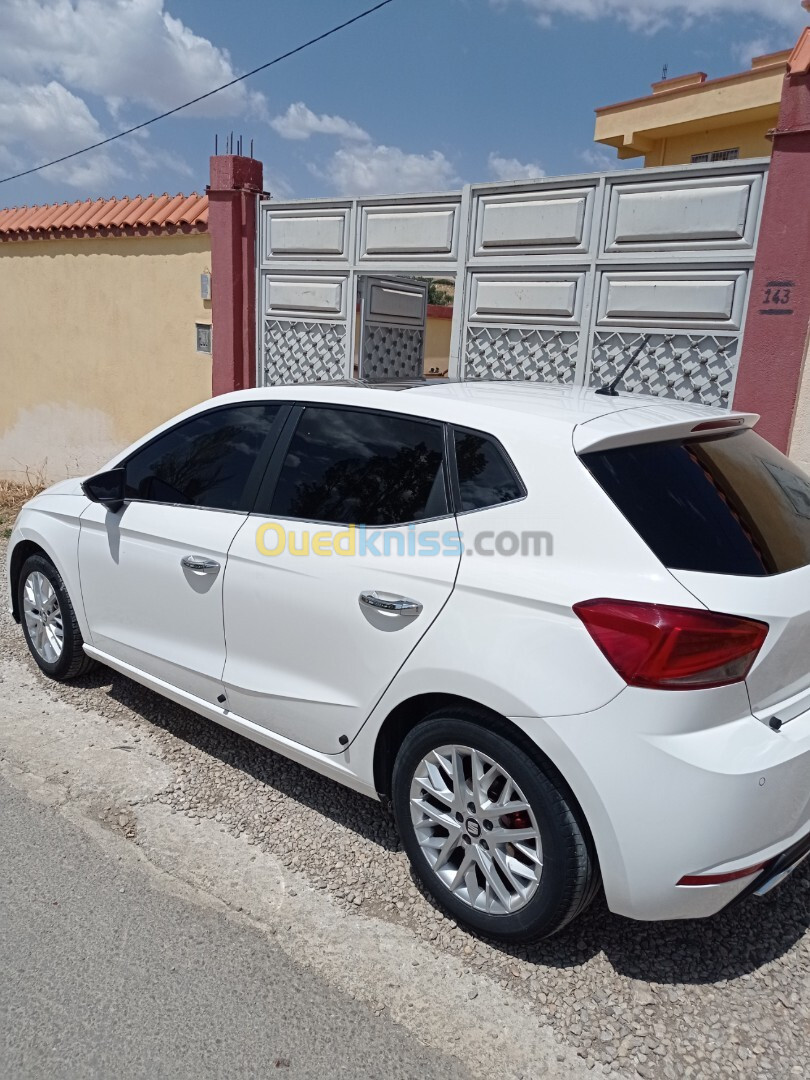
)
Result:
{"points": [[686, 366], [556, 279], [408, 232], [532, 222], [318, 233], [312, 256], [393, 313], [529, 276], [664, 253], [710, 213], [306, 317]]}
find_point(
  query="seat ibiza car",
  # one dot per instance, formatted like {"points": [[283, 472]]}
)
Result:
{"points": [[566, 635]]}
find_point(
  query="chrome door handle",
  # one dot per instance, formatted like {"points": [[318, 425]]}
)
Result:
{"points": [[399, 605], [200, 564]]}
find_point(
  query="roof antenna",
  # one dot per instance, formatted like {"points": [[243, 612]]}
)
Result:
{"points": [[664, 71], [216, 149], [610, 390]]}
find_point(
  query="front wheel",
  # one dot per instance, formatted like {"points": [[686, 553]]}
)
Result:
{"points": [[496, 839], [49, 621]]}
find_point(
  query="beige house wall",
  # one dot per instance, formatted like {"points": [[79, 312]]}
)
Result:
{"points": [[97, 346], [751, 140], [687, 115], [437, 344]]}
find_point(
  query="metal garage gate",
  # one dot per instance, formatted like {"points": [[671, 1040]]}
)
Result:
{"points": [[556, 280]]}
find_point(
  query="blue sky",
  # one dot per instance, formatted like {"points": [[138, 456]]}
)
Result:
{"points": [[423, 95]]}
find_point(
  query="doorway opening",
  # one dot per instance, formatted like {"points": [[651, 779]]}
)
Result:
{"points": [[403, 327]]}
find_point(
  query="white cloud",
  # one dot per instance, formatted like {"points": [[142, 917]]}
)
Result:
{"points": [[278, 185], [503, 168], [149, 158], [359, 166], [366, 169], [600, 160], [744, 51], [133, 54], [40, 122], [129, 50], [652, 15], [299, 122]]}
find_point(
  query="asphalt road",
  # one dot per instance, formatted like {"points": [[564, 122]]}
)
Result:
{"points": [[101, 975]]}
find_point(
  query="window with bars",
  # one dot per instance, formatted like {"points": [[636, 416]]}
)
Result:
{"points": [[718, 155]]}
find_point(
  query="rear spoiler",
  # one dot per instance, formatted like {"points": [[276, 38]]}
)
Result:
{"points": [[659, 423]]}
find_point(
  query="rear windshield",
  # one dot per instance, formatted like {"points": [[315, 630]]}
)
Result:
{"points": [[730, 505]]}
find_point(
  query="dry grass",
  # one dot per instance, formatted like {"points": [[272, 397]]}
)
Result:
{"points": [[13, 493]]}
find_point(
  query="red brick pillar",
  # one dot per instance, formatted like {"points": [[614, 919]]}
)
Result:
{"points": [[778, 318], [232, 200]]}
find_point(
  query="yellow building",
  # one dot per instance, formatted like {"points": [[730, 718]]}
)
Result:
{"points": [[691, 118], [105, 316], [99, 307]]}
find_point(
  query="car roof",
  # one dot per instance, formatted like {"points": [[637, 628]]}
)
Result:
{"points": [[495, 404]]}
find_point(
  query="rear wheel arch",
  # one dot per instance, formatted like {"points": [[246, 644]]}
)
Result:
{"points": [[411, 712]]}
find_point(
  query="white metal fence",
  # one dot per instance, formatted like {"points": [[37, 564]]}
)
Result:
{"points": [[556, 279]]}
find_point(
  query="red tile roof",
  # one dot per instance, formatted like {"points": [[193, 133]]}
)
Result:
{"points": [[143, 215]]}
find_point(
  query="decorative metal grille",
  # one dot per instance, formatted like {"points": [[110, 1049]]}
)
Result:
{"points": [[393, 352], [689, 367], [303, 351], [498, 352]]}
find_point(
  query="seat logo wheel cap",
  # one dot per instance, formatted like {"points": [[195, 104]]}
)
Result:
{"points": [[473, 828]]}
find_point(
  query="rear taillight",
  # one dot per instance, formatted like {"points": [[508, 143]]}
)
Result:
{"points": [[672, 648]]}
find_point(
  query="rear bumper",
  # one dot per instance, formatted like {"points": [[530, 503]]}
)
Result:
{"points": [[676, 784], [776, 870]]}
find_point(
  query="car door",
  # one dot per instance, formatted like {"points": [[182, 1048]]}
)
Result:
{"points": [[151, 574], [349, 557]]}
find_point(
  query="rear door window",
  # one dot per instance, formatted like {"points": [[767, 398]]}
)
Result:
{"points": [[730, 505], [358, 467]]}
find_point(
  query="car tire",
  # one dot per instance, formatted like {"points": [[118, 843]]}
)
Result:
{"points": [[513, 894], [47, 615]]}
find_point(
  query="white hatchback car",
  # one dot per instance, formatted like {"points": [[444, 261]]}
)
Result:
{"points": [[565, 634]]}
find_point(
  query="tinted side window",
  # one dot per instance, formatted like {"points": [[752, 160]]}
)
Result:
{"points": [[484, 475], [203, 462], [349, 466]]}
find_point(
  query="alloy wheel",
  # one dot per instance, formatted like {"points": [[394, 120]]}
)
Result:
{"points": [[476, 830], [43, 617]]}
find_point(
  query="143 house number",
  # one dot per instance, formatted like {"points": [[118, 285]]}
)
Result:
{"points": [[776, 294]]}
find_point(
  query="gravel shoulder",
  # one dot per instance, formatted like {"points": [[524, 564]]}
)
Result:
{"points": [[319, 869]]}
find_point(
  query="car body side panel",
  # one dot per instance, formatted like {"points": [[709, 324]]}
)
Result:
{"points": [[144, 606], [508, 636]]}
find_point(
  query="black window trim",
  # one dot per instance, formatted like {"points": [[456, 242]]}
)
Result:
{"points": [[267, 488], [456, 487], [257, 470]]}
